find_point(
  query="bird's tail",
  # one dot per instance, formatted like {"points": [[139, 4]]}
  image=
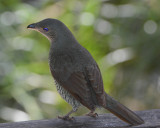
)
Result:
{"points": [[121, 111]]}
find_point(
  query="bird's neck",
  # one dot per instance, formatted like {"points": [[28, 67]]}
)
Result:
{"points": [[61, 46], [63, 42]]}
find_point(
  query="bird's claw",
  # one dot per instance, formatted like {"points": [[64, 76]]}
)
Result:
{"points": [[91, 114], [66, 118]]}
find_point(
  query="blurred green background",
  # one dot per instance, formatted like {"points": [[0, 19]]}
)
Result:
{"points": [[122, 35]]}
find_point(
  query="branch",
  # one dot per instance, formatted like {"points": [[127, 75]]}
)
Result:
{"points": [[151, 118]]}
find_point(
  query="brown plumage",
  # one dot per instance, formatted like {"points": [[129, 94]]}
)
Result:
{"points": [[77, 76]]}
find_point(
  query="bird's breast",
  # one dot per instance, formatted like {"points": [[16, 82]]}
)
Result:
{"points": [[67, 61], [62, 66]]}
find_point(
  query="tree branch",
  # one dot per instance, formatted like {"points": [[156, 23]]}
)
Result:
{"points": [[151, 118]]}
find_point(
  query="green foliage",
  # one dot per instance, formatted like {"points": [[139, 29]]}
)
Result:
{"points": [[123, 37]]}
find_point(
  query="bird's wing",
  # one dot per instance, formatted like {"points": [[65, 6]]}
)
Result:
{"points": [[86, 86], [93, 75]]}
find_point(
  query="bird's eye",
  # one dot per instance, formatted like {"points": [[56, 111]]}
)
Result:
{"points": [[45, 29]]}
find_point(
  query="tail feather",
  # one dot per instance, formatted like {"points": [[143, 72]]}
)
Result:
{"points": [[122, 112]]}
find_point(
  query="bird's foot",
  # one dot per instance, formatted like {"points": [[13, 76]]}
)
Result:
{"points": [[92, 114], [66, 118]]}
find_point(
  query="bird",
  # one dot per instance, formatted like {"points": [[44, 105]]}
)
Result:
{"points": [[76, 74]]}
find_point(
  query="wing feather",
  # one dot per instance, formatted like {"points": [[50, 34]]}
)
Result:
{"points": [[86, 86]]}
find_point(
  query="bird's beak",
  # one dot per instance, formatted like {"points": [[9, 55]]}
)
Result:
{"points": [[31, 26]]}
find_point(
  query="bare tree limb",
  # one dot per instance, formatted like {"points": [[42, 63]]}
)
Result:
{"points": [[151, 118]]}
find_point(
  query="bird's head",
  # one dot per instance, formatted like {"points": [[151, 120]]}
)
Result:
{"points": [[51, 28]]}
